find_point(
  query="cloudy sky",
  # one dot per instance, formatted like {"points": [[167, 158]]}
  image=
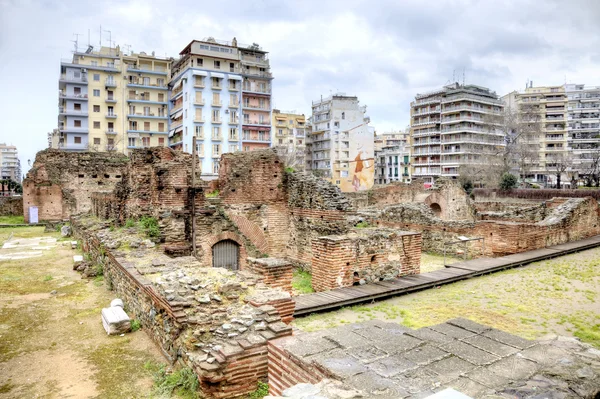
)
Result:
{"points": [[383, 51]]}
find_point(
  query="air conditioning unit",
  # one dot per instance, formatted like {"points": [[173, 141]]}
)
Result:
{"points": [[226, 111], [84, 70]]}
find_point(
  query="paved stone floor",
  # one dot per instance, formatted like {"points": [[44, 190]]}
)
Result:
{"points": [[386, 360], [23, 248]]}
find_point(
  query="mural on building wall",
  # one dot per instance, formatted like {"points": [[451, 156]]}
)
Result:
{"points": [[361, 167]]}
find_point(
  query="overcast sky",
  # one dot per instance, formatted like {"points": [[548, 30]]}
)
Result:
{"points": [[383, 51]]}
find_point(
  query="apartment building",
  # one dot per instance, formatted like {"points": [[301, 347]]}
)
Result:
{"points": [[453, 127], [289, 137], [111, 101], [10, 166], [548, 106], [220, 92], [583, 119], [392, 158], [341, 142]]}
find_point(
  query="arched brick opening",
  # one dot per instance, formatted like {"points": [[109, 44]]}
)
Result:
{"points": [[226, 253], [208, 244], [436, 208]]}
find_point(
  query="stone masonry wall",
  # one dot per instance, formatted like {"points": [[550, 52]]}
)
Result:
{"points": [[210, 319], [363, 256], [11, 206], [60, 183]]}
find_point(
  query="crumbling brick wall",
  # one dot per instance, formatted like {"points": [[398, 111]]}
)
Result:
{"points": [[363, 256], [61, 183], [11, 206], [452, 199], [388, 194]]}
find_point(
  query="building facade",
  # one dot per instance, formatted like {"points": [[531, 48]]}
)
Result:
{"points": [[111, 101], [289, 137], [10, 166], [453, 127], [548, 106], [221, 94], [342, 147], [392, 158], [583, 128]]}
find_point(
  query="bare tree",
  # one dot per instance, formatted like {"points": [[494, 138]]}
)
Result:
{"points": [[292, 158], [590, 169], [559, 163]]}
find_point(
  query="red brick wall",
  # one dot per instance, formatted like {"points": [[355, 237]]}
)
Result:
{"points": [[277, 275], [285, 370]]}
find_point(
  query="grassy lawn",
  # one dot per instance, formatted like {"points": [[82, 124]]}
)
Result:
{"points": [[302, 282], [431, 262], [24, 232], [12, 220], [556, 296]]}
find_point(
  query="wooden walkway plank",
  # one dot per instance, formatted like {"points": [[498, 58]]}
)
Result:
{"points": [[320, 301]]}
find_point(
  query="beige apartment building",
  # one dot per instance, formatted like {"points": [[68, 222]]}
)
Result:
{"points": [[112, 101], [10, 166], [453, 127], [289, 139]]}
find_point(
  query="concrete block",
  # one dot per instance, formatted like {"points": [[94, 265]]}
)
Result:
{"points": [[115, 320], [77, 259]]}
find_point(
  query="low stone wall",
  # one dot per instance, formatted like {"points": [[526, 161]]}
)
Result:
{"points": [[212, 320], [276, 273], [364, 256], [11, 206]]}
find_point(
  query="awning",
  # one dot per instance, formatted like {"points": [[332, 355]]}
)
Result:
{"points": [[233, 77], [281, 118], [175, 131], [178, 84], [265, 129], [200, 73], [177, 114], [217, 75]]}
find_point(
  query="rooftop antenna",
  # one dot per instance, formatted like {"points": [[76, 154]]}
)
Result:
{"points": [[88, 38], [100, 36], [76, 41], [128, 47], [463, 76], [453, 75], [109, 38]]}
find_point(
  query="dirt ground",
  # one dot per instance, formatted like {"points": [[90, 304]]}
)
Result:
{"points": [[53, 345], [557, 296]]}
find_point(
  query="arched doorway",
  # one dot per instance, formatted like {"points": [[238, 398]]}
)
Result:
{"points": [[226, 254], [436, 208]]}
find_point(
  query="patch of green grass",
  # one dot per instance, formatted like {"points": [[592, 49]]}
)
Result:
{"points": [[361, 225], [302, 282], [6, 388], [47, 278], [183, 382], [129, 223], [12, 220], [150, 226], [262, 390], [212, 194], [289, 169], [135, 325]]}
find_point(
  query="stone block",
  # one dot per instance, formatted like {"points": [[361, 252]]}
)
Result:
{"points": [[426, 354], [77, 259], [115, 320], [392, 365], [508, 339], [490, 345], [470, 353], [514, 367], [452, 331], [427, 334]]}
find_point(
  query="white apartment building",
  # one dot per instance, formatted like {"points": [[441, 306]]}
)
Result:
{"points": [[341, 142], [10, 166], [452, 127], [392, 158]]}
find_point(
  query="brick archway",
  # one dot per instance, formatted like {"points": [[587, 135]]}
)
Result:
{"points": [[227, 235]]}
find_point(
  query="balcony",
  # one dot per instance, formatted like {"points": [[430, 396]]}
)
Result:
{"points": [[257, 59], [150, 115], [216, 103], [199, 101], [111, 115], [216, 86], [110, 100], [255, 139], [144, 99], [216, 120], [64, 78], [258, 74], [236, 87], [235, 104], [150, 132], [66, 96], [479, 99], [256, 107], [71, 112], [111, 132], [71, 129], [147, 69], [256, 123], [259, 90], [147, 86], [110, 83], [234, 137], [234, 121], [216, 137]]}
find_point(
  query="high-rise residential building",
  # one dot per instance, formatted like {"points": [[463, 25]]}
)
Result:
{"points": [[453, 127], [548, 106], [221, 94], [392, 158], [111, 101], [10, 166], [289, 137], [583, 128], [342, 148]]}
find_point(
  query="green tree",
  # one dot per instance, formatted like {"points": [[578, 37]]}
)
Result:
{"points": [[508, 181]]}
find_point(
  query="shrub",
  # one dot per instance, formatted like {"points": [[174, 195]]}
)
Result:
{"points": [[183, 382], [508, 181], [362, 225], [135, 325], [262, 390], [289, 169], [150, 226], [130, 223], [539, 194], [212, 194]]}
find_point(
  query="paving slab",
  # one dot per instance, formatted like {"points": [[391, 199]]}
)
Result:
{"points": [[469, 387], [346, 339], [378, 387], [311, 345], [452, 331], [425, 354], [490, 345], [469, 325], [367, 354], [343, 366], [488, 378], [450, 368], [376, 333], [392, 365], [545, 355], [427, 334], [470, 353], [397, 343], [419, 380], [514, 367], [508, 339]]}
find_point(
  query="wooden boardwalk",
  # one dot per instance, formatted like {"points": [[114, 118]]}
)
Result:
{"points": [[320, 301]]}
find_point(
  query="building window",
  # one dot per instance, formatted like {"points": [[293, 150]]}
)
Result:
{"points": [[161, 141], [343, 115], [77, 140], [147, 111], [133, 125], [216, 149], [336, 124], [131, 141], [111, 126], [96, 93], [185, 97], [147, 126], [77, 123], [96, 77], [161, 127], [186, 130], [185, 114], [199, 61], [161, 97], [199, 132], [96, 125], [216, 132], [216, 167], [216, 115], [96, 140], [94, 63], [111, 142], [77, 90], [145, 141], [217, 64], [280, 141], [233, 148], [233, 133], [160, 82], [96, 108], [231, 67]]}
